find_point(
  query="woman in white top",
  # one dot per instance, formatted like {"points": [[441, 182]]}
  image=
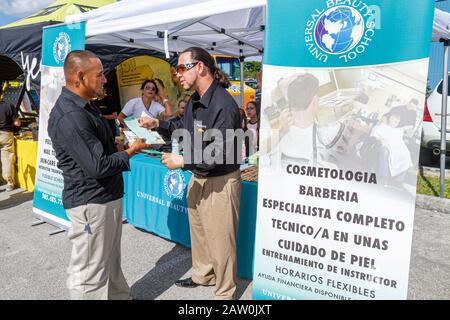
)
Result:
{"points": [[146, 104], [252, 124]]}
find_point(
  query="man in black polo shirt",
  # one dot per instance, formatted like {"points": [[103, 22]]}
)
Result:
{"points": [[214, 189], [93, 185], [7, 122]]}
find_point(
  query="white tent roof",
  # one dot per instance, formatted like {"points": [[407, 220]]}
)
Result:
{"points": [[441, 25], [232, 27]]}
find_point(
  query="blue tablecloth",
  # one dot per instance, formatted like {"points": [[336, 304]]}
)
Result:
{"points": [[155, 200]]}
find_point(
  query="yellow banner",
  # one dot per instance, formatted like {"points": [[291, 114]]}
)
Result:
{"points": [[133, 72]]}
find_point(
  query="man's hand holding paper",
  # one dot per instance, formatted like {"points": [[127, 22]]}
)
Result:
{"points": [[151, 137], [149, 123]]}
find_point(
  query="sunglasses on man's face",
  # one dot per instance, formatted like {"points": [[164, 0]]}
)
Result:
{"points": [[182, 68]]}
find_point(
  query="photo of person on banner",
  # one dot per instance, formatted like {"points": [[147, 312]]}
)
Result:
{"points": [[295, 116], [334, 113], [393, 155]]}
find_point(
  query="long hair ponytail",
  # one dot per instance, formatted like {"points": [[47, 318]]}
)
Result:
{"points": [[221, 78]]}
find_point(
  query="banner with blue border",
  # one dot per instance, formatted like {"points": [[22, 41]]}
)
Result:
{"points": [[309, 33], [57, 42], [343, 94]]}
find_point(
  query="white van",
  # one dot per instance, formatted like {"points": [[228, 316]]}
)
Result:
{"points": [[431, 130]]}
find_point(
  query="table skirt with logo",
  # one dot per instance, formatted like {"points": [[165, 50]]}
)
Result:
{"points": [[155, 200]]}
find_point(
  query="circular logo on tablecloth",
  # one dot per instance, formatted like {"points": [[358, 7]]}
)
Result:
{"points": [[174, 184], [61, 47]]}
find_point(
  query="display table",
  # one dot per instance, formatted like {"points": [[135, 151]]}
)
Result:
{"points": [[155, 200], [26, 155]]}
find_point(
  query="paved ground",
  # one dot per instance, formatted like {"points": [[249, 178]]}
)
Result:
{"points": [[33, 264]]}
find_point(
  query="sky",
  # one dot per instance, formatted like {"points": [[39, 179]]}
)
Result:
{"points": [[13, 10]]}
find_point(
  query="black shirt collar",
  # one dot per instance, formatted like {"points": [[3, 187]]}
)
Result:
{"points": [[76, 99], [206, 98]]}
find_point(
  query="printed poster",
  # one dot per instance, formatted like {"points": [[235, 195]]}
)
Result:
{"points": [[57, 42], [342, 102]]}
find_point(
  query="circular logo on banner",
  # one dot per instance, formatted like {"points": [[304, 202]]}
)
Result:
{"points": [[339, 30], [61, 47], [342, 31], [174, 184]]}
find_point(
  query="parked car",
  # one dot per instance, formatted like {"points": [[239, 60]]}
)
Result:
{"points": [[431, 129]]}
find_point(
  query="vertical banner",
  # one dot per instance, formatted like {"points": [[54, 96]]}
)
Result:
{"points": [[57, 42], [344, 86]]}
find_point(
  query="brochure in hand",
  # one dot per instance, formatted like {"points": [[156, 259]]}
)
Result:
{"points": [[151, 137], [134, 131]]}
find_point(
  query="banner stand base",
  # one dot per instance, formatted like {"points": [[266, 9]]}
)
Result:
{"points": [[37, 223], [56, 232], [41, 220], [60, 224]]}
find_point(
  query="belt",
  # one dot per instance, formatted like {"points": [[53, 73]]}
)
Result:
{"points": [[197, 176]]}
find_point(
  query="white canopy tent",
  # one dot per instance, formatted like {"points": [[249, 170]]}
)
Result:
{"points": [[441, 25], [441, 33], [232, 27]]}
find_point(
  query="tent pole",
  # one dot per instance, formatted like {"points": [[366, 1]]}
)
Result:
{"points": [[241, 60], [444, 116]]}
